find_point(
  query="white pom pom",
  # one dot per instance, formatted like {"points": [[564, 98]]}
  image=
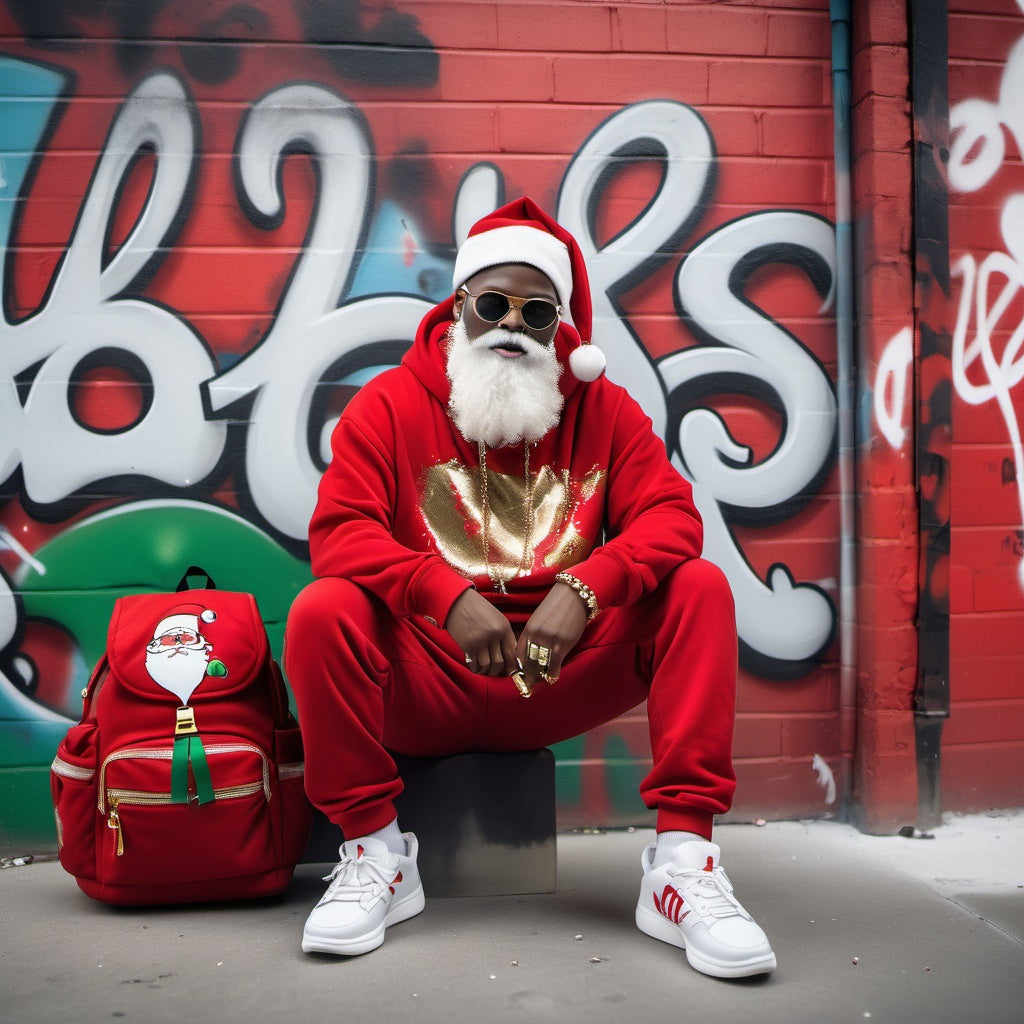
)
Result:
{"points": [[587, 362], [209, 615]]}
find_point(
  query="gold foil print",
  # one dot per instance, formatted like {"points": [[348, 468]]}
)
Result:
{"points": [[453, 512]]}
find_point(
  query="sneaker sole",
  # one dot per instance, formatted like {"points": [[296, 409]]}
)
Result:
{"points": [[409, 906], [660, 928]]}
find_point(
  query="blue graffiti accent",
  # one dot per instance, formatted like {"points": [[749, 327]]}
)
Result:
{"points": [[393, 262], [28, 93], [360, 377], [383, 269]]}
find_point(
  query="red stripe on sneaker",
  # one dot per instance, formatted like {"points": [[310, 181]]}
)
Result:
{"points": [[670, 905]]}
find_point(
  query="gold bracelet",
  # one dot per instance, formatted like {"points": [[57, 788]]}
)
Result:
{"points": [[588, 597]]}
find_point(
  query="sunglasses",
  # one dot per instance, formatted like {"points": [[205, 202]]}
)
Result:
{"points": [[493, 307], [178, 636]]}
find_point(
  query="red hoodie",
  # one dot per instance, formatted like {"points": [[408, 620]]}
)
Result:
{"points": [[401, 510]]}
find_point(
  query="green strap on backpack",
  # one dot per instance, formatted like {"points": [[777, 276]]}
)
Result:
{"points": [[188, 752]]}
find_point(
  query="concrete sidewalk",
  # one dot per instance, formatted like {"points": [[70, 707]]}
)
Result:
{"points": [[865, 928]]}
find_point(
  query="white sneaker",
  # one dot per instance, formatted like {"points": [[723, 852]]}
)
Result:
{"points": [[370, 889], [689, 903]]}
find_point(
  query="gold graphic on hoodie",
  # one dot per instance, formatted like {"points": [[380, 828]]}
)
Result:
{"points": [[538, 515]]}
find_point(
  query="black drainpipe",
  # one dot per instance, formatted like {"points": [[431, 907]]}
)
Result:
{"points": [[934, 423]]}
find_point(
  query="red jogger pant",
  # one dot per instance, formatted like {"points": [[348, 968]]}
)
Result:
{"points": [[367, 682]]}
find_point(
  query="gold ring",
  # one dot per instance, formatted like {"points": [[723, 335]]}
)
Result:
{"points": [[551, 680], [539, 654], [521, 685]]}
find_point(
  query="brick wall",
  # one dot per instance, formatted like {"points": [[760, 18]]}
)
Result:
{"points": [[594, 109], [983, 748], [689, 145]]}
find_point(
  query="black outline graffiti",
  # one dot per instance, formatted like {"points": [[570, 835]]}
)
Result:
{"points": [[392, 51], [645, 149], [379, 354], [113, 358], [683, 399], [300, 147]]}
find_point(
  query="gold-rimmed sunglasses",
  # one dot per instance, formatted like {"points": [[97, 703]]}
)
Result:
{"points": [[492, 307]]}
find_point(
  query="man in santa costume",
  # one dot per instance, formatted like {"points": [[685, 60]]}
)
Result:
{"points": [[500, 522]]}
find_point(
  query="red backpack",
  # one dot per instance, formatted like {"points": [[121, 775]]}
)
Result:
{"points": [[183, 782]]}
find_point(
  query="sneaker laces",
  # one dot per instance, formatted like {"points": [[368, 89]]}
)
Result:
{"points": [[358, 878], [710, 892]]}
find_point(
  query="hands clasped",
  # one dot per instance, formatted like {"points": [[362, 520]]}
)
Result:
{"points": [[491, 648]]}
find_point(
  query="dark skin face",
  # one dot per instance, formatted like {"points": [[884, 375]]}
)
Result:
{"points": [[483, 633], [514, 279]]}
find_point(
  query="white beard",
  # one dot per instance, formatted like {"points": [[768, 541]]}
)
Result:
{"points": [[180, 669], [501, 400]]}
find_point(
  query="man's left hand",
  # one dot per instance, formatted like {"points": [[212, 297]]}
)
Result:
{"points": [[556, 625]]}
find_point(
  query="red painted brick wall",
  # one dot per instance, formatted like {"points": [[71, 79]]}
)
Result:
{"points": [[885, 791], [983, 749], [439, 90], [523, 88]]}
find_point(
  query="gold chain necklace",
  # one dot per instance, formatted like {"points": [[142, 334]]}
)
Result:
{"points": [[526, 559]]}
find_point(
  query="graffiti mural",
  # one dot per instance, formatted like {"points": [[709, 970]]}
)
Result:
{"points": [[200, 272], [893, 378], [988, 365], [984, 493]]}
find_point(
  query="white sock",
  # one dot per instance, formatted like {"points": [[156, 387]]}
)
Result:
{"points": [[391, 836], [668, 842]]}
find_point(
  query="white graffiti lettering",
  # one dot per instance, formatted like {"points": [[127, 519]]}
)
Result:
{"points": [[777, 619], [1002, 374], [83, 318], [891, 379], [310, 334], [680, 140], [990, 287], [321, 331]]}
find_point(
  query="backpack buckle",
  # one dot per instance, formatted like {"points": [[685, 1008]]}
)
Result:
{"points": [[185, 725]]}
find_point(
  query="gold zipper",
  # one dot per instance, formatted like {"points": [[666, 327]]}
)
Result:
{"points": [[142, 798], [232, 748], [114, 822], [145, 798], [143, 753], [166, 753]]}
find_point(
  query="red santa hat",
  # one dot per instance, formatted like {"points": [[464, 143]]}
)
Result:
{"points": [[521, 232], [186, 617]]}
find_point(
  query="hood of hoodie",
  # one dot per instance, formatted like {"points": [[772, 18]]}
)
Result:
{"points": [[428, 360]]}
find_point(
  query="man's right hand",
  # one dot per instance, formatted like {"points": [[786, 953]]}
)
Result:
{"points": [[484, 634]]}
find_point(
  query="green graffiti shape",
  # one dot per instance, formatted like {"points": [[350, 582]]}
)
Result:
{"points": [[147, 546]]}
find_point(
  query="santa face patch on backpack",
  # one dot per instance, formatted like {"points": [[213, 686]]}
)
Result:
{"points": [[184, 779], [178, 659]]}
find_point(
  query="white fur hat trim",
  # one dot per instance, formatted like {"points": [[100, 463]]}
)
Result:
{"points": [[517, 243]]}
